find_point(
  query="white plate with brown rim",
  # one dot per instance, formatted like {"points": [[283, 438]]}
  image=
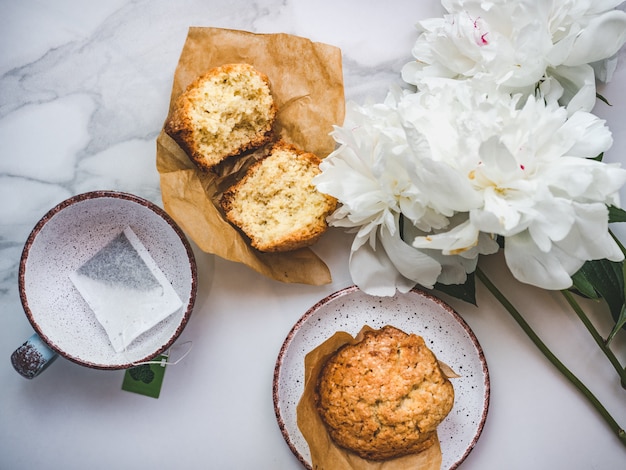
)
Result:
{"points": [[445, 333]]}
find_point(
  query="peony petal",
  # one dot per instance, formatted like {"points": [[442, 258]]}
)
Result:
{"points": [[454, 269], [589, 238], [410, 263], [498, 215], [560, 50], [600, 39], [599, 6], [448, 189], [530, 265], [550, 89], [460, 238], [579, 86], [553, 221], [392, 266], [584, 179], [374, 273], [588, 134], [497, 158], [605, 69]]}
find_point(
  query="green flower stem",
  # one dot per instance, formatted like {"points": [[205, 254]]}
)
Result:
{"points": [[596, 336], [616, 428]]}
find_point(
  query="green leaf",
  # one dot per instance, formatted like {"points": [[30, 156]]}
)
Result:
{"points": [[465, 292], [582, 286], [603, 99], [616, 214], [605, 279], [619, 324], [500, 240]]}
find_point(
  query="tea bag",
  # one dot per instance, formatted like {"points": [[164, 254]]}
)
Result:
{"points": [[126, 290]]}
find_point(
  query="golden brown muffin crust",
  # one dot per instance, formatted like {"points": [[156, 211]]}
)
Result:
{"points": [[384, 396]]}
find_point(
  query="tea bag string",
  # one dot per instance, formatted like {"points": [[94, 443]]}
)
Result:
{"points": [[168, 353]]}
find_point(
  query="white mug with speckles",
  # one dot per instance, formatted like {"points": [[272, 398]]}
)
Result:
{"points": [[67, 236]]}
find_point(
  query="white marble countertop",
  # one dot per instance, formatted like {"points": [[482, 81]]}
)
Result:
{"points": [[84, 91]]}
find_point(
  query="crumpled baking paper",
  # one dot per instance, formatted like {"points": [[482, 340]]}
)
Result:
{"points": [[307, 83]]}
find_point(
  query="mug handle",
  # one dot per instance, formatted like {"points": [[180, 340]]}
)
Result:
{"points": [[32, 357]]}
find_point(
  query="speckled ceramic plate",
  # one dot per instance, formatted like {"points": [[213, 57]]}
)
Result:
{"points": [[444, 331]]}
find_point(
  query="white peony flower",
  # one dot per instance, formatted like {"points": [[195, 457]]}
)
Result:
{"points": [[506, 45], [585, 33], [381, 171], [370, 174], [497, 141], [530, 167], [461, 166], [517, 45]]}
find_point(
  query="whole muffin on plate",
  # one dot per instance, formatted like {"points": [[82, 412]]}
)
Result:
{"points": [[384, 396]]}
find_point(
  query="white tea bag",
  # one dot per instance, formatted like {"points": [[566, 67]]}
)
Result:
{"points": [[126, 290]]}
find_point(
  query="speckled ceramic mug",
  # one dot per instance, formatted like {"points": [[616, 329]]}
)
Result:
{"points": [[65, 238]]}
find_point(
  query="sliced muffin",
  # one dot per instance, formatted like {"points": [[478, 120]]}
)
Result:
{"points": [[223, 113], [276, 205]]}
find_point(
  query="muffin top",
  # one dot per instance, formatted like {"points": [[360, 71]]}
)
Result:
{"points": [[384, 396]]}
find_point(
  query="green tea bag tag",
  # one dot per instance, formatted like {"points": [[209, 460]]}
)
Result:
{"points": [[146, 379]]}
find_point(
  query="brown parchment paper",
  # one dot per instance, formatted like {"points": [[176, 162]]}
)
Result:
{"points": [[325, 454], [307, 84]]}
